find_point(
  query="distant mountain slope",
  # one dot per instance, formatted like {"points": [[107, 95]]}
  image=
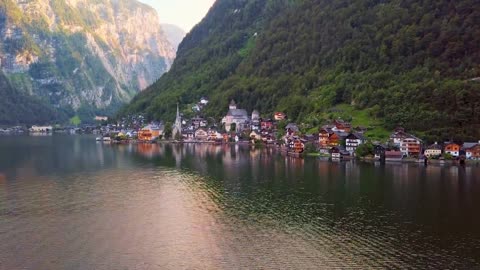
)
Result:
{"points": [[81, 55], [16, 108], [174, 34], [406, 62]]}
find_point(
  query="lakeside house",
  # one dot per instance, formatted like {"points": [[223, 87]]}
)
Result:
{"points": [[101, 118], [201, 135], [339, 152], [353, 140], [393, 156], [297, 145], [379, 151], [452, 149], [472, 150], [434, 150], [150, 133], [41, 129], [411, 146]]}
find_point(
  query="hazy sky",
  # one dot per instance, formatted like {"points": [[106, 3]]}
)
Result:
{"points": [[183, 13]]}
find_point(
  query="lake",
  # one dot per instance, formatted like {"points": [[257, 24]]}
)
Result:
{"points": [[68, 202]]}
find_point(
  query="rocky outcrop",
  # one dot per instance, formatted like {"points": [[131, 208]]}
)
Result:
{"points": [[76, 54]]}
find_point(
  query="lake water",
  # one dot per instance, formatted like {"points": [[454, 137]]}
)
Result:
{"points": [[67, 202]]}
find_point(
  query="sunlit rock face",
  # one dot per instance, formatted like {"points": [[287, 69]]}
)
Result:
{"points": [[82, 53]]}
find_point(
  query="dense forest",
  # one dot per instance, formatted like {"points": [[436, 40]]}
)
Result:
{"points": [[16, 108], [409, 63]]}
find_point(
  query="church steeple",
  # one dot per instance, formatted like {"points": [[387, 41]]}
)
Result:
{"points": [[233, 105], [177, 126]]}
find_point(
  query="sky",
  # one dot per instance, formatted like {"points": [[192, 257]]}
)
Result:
{"points": [[183, 13]]}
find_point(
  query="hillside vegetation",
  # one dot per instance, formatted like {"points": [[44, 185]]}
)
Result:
{"points": [[403, 63], [18, 108]]}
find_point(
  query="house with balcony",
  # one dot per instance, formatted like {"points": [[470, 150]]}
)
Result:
{"points": [[411, 146]]}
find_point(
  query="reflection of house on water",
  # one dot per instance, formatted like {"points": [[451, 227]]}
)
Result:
{"points": [[148, 150], [3, 178], [294, 168]]}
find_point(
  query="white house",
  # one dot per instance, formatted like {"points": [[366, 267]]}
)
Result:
{"points": [[204, 101], [41, 129], [352, 141]]}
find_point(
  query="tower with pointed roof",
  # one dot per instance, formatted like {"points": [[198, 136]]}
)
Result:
{"points": [[177, 126], [233, 105]]}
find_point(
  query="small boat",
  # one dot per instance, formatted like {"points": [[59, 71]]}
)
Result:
{"points": [[103, 139]]}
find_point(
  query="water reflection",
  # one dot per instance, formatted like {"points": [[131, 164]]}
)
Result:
{"points": [[190, 206]]}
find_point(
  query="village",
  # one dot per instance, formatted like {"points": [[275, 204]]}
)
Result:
{"points": [[336, 140]]}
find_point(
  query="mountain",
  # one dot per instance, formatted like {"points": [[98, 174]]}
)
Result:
{"points": [[393, 62], [174, 34], [16, 108], [81, 57]]}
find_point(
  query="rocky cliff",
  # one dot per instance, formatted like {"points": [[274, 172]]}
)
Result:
{"points": [[81, 55]]}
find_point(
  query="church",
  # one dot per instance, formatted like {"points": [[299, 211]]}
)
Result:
{"points": [[239, 117], [177, 126]]}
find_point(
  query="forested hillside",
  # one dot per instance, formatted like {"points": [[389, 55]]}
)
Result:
{"points": [[16, 108], [408, 63]]}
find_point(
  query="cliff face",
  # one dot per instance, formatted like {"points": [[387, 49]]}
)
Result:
{"points": [[75, 54]]}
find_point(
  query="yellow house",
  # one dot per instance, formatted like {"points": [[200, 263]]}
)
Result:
{"points": [[149, 133], [433, 150]]}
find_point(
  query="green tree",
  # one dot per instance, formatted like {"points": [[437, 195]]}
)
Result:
{"points": [[365, 149]]}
